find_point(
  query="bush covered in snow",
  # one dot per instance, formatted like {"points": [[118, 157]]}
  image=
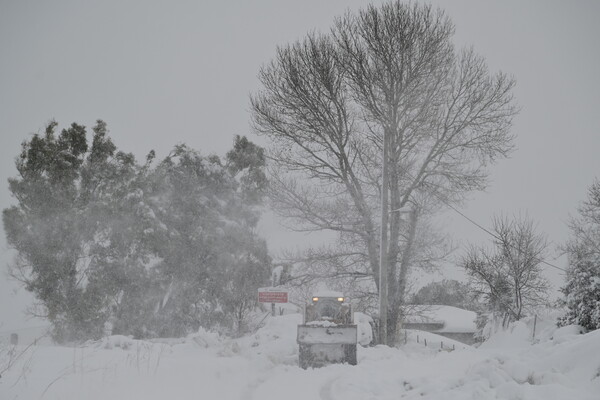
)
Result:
{"points": [[583, 294]]}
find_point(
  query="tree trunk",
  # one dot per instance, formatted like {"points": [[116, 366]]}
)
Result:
{"points": [[394, 294], [383, 252], [398, 301]]}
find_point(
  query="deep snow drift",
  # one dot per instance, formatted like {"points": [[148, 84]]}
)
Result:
{"points": [[562, 365]]}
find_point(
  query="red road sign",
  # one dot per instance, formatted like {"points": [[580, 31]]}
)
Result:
{"points": [[272, 297]]}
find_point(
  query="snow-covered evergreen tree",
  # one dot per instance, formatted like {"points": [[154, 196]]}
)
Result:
{"points": [[211, 260], [51, 228], [582, 291], [110, 245]]}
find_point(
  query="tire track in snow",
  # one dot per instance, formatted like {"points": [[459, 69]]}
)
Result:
{"points": [[326, 393], [248, 393]]}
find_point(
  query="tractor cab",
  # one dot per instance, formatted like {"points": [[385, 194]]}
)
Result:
{"points": [[328, 308]]}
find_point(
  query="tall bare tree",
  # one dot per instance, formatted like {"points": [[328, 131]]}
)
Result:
{"points": [[328, 101]]}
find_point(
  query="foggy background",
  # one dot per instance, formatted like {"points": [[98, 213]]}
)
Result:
{"points": [[180, 72]]}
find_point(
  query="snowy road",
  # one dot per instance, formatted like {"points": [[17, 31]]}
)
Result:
{"points": [[264, 366]]}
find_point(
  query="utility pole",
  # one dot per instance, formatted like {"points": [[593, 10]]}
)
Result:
{"points": [[383, 259]]}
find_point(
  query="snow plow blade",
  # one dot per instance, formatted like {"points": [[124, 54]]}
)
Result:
{"points": [[314, 334], [319, 345]]}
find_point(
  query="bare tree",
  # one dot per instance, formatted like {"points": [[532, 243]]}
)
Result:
{"points": [[509, 276], [329, 100]]}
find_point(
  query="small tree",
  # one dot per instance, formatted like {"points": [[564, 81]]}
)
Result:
{"points": [[582, 291], [509, 277]]}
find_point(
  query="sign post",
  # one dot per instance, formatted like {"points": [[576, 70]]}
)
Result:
{"points": [[272, 295]]}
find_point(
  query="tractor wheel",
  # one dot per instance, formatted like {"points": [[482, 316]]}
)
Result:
{"points": [[350, 351], [304, 356]]}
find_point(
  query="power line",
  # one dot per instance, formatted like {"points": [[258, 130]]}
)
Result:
{"points": [[440, 198], [496, 236]]}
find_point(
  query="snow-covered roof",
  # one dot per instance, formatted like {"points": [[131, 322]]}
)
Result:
{"points": [[454, 319]]}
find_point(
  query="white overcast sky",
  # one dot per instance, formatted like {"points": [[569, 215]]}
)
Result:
{"points": [[162, 73]]}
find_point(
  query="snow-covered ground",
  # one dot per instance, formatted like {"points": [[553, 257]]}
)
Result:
{"points": [[562, 365]]}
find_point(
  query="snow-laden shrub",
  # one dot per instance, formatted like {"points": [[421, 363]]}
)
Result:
{"points": [[583, 295], [582, 291]]}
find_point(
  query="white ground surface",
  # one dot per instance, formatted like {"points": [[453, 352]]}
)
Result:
{"points": [[563, 365]]}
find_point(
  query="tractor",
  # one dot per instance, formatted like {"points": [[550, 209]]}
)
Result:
{"points": [[328, 334]]}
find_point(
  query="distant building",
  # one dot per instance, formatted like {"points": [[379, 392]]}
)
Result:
{"points": [[26, 336], [451, 322]]}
